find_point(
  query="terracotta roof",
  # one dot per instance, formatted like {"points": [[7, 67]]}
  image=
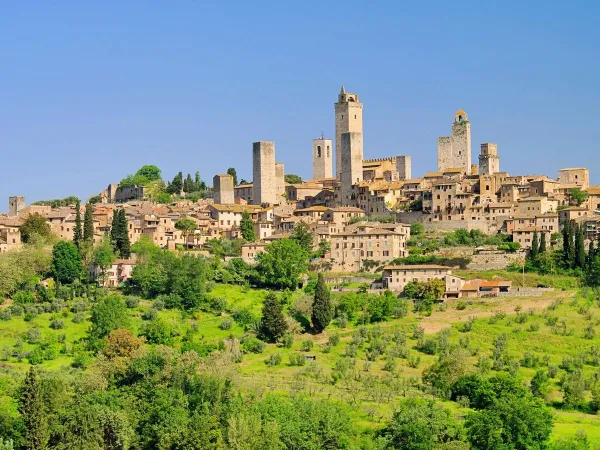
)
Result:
{"points": [[346, 209], [472, 285], [312, 209], [433, 174], [417, 267]]}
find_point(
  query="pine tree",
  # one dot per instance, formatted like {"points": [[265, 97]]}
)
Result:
{"points": [[88, 223], [32, 408], [535, 246], [580, 256], [247, 227], [273, 325], [77, 234], [543, 243], [322, 311]]}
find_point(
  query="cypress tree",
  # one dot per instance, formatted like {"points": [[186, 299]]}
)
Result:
{"points": [[579, 249], [273, 325], [247, 227], [32, 408], [591, 256], [566, 237], [543, 243], [535, 246], [322, 311], [88, 223], [124, 243], [77, 234], [188, 184]]}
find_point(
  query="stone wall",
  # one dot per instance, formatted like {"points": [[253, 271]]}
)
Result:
{"points": [[263, 168], [127, 193], [525, 292], [494, 261]]}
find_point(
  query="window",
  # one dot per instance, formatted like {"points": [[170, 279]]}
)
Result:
{"points": [[318, 151]]}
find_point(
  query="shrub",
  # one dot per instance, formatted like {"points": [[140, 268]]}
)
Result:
{"points": [[79, 317], [297, 359], [287, 340], [226, 324], [23, 298], [306, 345], [17, 310], [243, 317], [57, 324], [79, 307], [150, 314], [158, 304], [334, 339], [36, 356], [132, 301], [461, 306], [342, 320], [5, 314], [253, 345], [429, 347], [273, 360], [34, 336]]}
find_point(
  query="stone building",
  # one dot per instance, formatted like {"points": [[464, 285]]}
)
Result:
{"points": [[352, 170], [395, 278], [579, 177], [279, 182], [223, 188], [322, 152], [15, 204], [455, 151], [489, 161], [264, 181], [348, 119]]}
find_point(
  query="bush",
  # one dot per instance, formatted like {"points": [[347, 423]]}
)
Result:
{"points": [[34, 336], [306, 346], [226, 324], [5, 314], [36, 356], [17, 310], [158, 304], [79, 317], [150, 314], [334, 339], [273, 360], [287, 340], [57, 324], [297, 359], [253, 345], [461, 306], [244, 317], [79, 307], [132, 301], [23, 298]]}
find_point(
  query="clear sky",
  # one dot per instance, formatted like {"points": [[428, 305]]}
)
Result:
{"points": [[91, 91]]}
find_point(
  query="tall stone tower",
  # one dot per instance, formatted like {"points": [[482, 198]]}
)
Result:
{"points": [[322, 150], [348, 119], [263, 169], [279, 182], [455, 151], [223, 189], [404, 167], [489, 161], [352, 170], [15, 204]]}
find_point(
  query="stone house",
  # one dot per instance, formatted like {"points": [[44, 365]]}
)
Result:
{"points": [[524, 236], [250, 250], [120, 272], [395, 278]]}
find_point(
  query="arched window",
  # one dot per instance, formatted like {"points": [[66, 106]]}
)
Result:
{"points": [[328, 151], [438, 197], [487, 187], [460, 119], [318, 151]]}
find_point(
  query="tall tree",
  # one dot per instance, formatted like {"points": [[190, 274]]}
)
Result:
{"points": [[33, 410], [303, 236], [322, 310], [281, 264], [103, 257], [66, 262], [568, 245], [176, 186], [543, 243], [535, 246], [273, 325], [77, 231], [119, 234], [188, 184], [580, 256], [35, 225], [231, 171], [186, 226], [247, 227], [88, 223]]}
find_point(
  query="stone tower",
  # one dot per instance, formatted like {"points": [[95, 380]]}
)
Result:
{"points": [[348, 119], [352, 171], [223, 189], [322, 151], [15, 204], [404, 167], [279, 182], [489, 161], [455, 151], [263, 169]]}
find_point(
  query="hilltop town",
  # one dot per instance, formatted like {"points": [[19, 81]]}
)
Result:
{"points": [[363, 210]]}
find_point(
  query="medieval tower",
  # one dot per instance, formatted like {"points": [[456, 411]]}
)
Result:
{"points": [[223, 189], [263, 169], [352, 170], [455, 151], [348, 119], [489, 161], [322, 150], [15, 204]]}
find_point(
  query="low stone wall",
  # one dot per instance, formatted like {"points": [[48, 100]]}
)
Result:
{"points": [[494, 261], [525, 292], [350, 279]]}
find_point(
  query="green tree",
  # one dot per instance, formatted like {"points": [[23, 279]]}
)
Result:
{"points": [[247, 227], [535, 246], [157, 331], [176, 186], [152, 173], [199, 184], [187, 226], [281, 264], [94, 199], [568, 245], [66, 262], [543, 243], [88, 223], [103, 257], [108, 315], [322, 310], [421, 425], [577, 196], [580, 255], [35, 225], [119, 234], [231, 171], [417, 229], [77, 231], [33, 409], [292, 179], [303, 236], [540, 384], [273, 325]]}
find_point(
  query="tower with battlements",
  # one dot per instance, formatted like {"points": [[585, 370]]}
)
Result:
{"points": [[263, 169], [348, 119], [322, 151], [489, 161], [454, 152]]}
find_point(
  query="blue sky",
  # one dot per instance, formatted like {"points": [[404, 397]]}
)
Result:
{"points": [[90, 91]]}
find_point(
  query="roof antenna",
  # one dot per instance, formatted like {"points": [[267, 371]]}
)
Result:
{"points": [[322, 135]]}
